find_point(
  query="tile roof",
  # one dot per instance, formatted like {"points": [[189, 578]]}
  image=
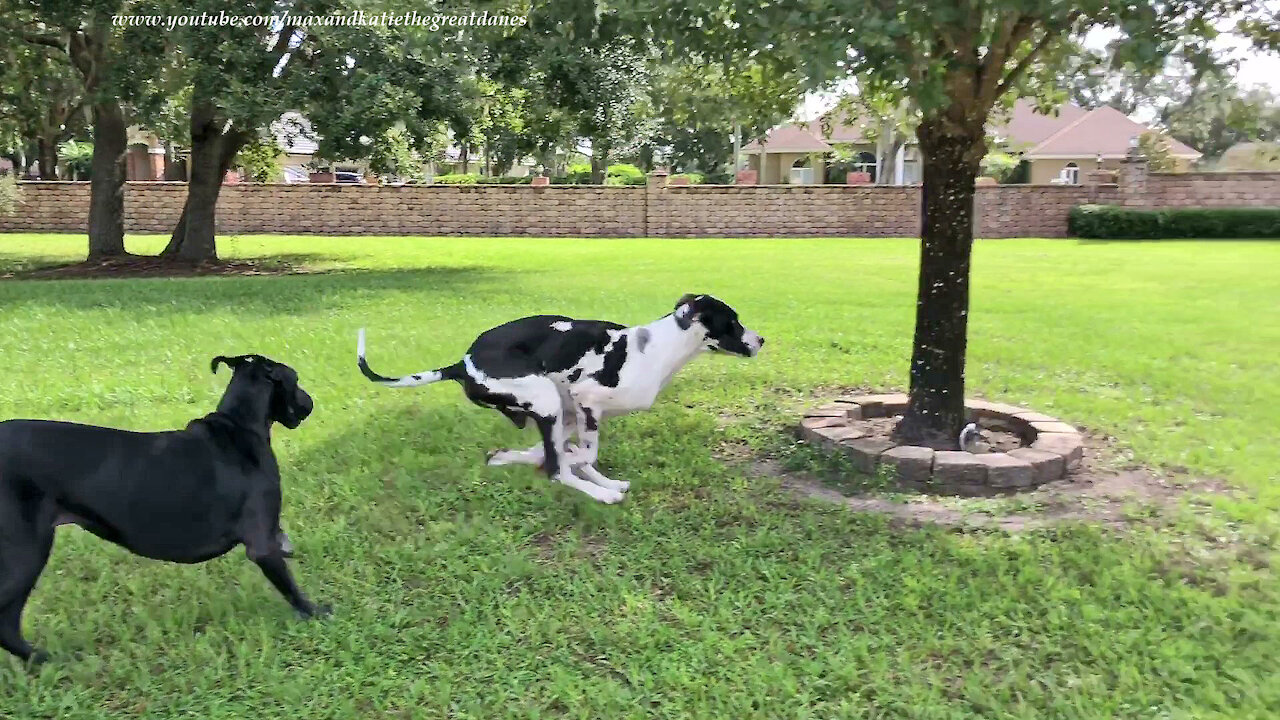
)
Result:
{"points": [[1026, 128], [1102, 131], [791, 137], [1069, 131]]}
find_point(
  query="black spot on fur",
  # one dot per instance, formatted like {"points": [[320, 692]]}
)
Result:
{"points": [[573, 376], [613, 360], [530, 346], [551, 455], [592, 425], [642, 339]]}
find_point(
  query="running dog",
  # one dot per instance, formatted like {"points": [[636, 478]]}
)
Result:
{"points": [[567, 375], [184, 496]]}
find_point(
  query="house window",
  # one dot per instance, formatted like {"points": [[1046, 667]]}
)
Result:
{"points": [[1071, 174], [866, 162]]}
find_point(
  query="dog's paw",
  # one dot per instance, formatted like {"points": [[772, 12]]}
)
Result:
{"points": [[501, 457], [610, 497], [314, 612], [37, 658]]}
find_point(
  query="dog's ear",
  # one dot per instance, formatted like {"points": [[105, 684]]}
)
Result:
{"points": [[684, 311], [233, 362]]}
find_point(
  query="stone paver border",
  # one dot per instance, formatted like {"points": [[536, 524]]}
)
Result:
{"points": [[1051, 448]]}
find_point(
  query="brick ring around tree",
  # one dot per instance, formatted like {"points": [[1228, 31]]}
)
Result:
{"points": [[1049, 449]]}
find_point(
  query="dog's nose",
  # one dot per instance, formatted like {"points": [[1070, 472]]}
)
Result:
{"points": [[761, 341]]}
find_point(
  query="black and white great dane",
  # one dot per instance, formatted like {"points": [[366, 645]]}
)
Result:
{"points": [[184, 496], [567, 375]]}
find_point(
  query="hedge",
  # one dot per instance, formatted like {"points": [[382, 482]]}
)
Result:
{"points": [[1112, 221]]}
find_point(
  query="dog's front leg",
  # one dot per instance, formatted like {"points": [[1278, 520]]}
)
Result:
{"points": [[557, 463], [263, 548], [588, 449], [584, 457]]}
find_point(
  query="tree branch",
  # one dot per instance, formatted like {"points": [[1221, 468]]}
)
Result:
{"points": [[52, 41], [1003, 43], [1050, 34]]}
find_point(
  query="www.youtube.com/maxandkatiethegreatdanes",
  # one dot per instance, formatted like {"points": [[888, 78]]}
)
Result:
{"points": [[354, 18]]}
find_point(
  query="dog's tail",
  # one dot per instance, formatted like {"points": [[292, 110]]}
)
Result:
{"points": [[451, 372]]}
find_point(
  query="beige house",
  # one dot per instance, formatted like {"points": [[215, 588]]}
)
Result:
{"points": [[806, 154], [1059, 148], [1064, 147]]}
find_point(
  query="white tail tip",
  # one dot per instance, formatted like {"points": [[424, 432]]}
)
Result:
{"points": [[360, 343]]}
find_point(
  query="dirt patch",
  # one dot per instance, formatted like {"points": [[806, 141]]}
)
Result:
{"points": [[1108, 489], [135, 266]]}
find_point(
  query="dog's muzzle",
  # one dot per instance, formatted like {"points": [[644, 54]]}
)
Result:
{"points": [[753, 341], [298, 410]]}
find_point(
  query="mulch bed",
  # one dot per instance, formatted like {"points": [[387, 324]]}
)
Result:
{"points": [[141, 266]]}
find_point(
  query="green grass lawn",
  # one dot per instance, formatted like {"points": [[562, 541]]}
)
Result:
{"points": [[470, 592]]}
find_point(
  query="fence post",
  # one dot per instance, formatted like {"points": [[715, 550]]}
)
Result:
{"points": [[653, 190], [1133, 178]]}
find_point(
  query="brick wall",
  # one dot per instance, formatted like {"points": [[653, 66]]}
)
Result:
{"points": [[783, 210], [1227, 189], [1004, 211], [583, 211]]}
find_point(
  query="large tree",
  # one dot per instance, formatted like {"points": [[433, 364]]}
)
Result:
{"points": [[41, 99], [589, 66], [355, 83], [83, 31], [957, 61], [706, 110]]}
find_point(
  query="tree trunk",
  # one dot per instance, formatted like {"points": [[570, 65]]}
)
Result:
{"points": [[599, 163], [106, 191], [212, 152], [646, 157], [47, 154], [465, 157], [935, 414]]}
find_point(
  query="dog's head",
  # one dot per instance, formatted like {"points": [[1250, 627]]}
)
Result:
{"points": [[289, 404], [720, 323]]}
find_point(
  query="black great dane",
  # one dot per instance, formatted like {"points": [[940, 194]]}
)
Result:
{"points": [[184, 496]]}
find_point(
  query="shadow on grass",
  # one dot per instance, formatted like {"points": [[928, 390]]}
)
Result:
{"points": [[278, 295], [410, 465], [25, 266]]}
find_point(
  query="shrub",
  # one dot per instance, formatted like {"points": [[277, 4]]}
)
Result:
{"points": [[260, 161], [625, 171], [458, 179], [694, 178], [505, 180], [1155, 146], [10, 194], [1111, 221], [1001, 166], [577, 174], [78, 157]]}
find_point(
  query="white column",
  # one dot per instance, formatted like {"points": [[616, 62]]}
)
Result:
{"points": [[899, 164]]}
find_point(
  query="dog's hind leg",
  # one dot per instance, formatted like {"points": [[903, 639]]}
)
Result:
{"points": [[535, 455], [532, 456], [539, 397], [24, 550]]}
